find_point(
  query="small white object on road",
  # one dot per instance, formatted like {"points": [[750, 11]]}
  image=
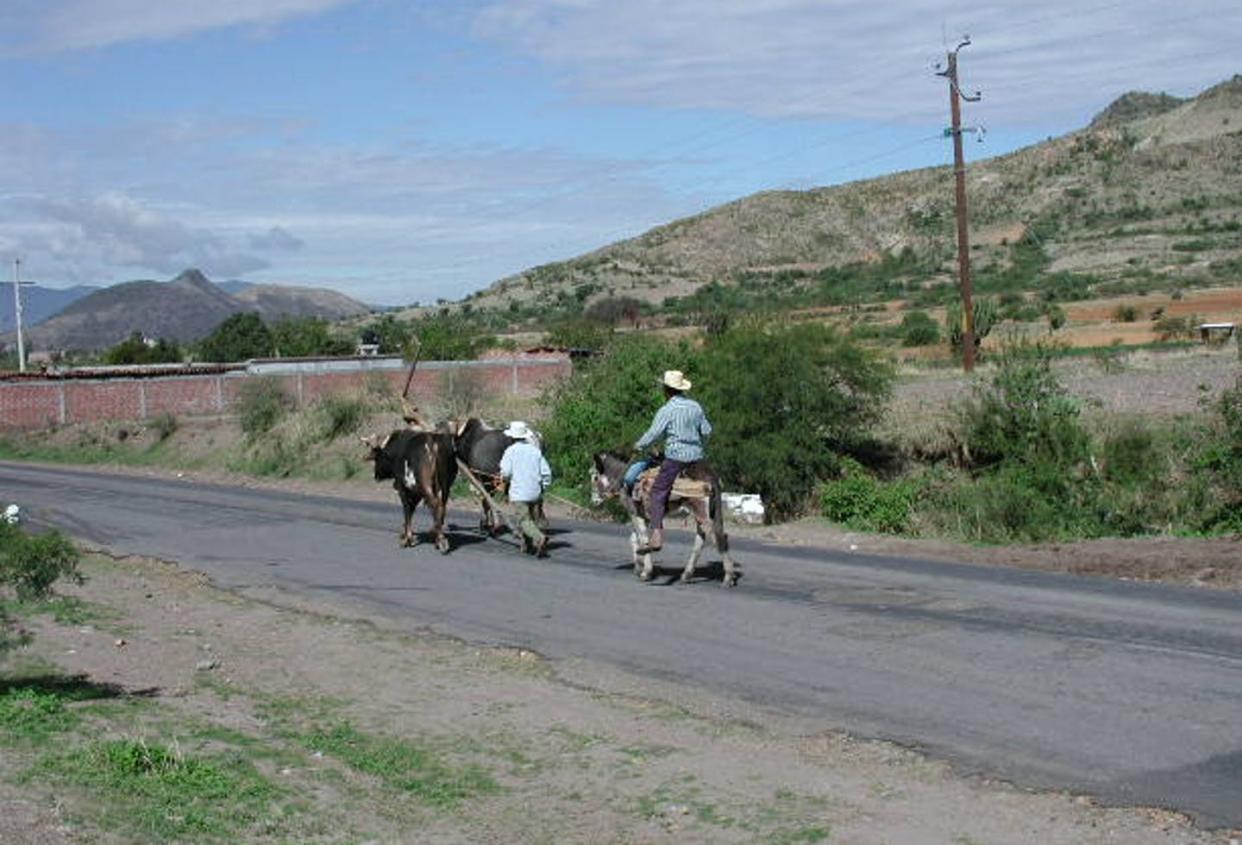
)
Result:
{"points": [[12, 514]]}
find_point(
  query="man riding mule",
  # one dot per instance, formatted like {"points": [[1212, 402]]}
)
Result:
{"points": [[683, 426], [698, 491]]}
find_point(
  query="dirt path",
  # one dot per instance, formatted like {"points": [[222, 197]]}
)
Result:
{"points": [[570, 764]]}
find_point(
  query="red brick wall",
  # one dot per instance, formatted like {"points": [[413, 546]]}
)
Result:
{"points": [[43, 403]]}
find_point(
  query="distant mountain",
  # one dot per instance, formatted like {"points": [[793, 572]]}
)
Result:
{"points": [[38, 303], [1147, 196], [183, 309], [234, 286]]}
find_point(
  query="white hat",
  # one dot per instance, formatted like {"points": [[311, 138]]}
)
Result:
{"points": [[676, 380], [518, 430]]}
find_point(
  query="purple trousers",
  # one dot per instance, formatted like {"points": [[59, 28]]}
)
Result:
{"points": [[662, 487]]}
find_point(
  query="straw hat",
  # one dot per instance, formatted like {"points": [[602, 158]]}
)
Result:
{"points": [[518, 430], [675, 379]]}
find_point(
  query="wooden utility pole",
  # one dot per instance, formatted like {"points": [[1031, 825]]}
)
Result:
{"points": [[963, 237]]}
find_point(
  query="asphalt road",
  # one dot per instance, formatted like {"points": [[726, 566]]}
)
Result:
{"points": [[1130, 692]]}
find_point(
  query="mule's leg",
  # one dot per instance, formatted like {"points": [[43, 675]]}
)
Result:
{"points": [[695, 553], [731, 570], [644, 565]]}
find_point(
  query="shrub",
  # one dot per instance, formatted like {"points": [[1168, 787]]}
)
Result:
{"points": [[1023, 415], [786, 401], [858, 500], [261, 403], [29, 566], [164, 425], [1125, 313], [338, 415], [919, 329]]}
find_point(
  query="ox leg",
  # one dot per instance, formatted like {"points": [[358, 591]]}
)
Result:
{"points": [[408, 503], [440, 510]]}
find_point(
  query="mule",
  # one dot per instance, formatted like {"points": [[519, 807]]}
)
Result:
{"points": [[702, 501]]}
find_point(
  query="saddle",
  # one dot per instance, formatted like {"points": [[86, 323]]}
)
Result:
{"points": [[683, 488]]}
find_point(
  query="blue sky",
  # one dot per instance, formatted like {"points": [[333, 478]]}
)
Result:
{"points": [[403, 151]]}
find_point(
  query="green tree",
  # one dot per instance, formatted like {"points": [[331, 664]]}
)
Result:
{"points": [[301, 337], [240, 337], [135, 350], [786, 402], [987, 316]]}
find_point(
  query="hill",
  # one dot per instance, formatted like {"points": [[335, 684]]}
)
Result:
{"points": [[38, 303], [1147, 197], [185, 308]]}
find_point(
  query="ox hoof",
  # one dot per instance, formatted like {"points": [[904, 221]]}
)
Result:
{"points": [[442, 545], [731, 580]]}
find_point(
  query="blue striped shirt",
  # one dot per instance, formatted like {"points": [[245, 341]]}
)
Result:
{"points": [[684, 427]]}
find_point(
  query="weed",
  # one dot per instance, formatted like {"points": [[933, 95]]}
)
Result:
{"points": [[31, 715], [158, 791], [261, 403], [402, 765]]}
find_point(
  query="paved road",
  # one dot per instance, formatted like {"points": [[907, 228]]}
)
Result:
{"points": [[1130, 692]]}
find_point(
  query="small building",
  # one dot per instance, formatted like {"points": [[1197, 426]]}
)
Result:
{"points": [[1216, 332]]}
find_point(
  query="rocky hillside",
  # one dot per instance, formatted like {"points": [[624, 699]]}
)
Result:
{"points": [[1149, 195], [183, 309]]}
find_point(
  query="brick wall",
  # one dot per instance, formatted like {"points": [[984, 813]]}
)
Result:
{"points": [[43, 403]]}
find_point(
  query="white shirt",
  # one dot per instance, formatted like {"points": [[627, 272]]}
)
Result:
{"points": [[527, 471]]}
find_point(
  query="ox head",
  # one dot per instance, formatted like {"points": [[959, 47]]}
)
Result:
{"points": [[375, 452]]}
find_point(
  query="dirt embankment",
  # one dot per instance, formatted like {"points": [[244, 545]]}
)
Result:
{"points": [[222, 676]]}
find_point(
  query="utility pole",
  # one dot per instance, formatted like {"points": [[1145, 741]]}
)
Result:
{"points": [[17, 312], [963, 237]]}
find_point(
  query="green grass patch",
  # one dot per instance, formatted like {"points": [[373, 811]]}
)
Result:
{"points": [[412, 768], [30, 714], [159, 792]]}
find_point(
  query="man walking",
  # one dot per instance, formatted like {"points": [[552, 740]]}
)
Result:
{"points": [[527, 475], [681, 423]]}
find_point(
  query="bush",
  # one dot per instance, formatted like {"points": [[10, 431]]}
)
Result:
{"points": [[1125, 313], [1023, 415], [261, 403], [29, 566], [164, 425], [919, 329], [786, 401], [858, 500], [338, 416]]}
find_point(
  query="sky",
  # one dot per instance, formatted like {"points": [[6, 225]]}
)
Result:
{"points": [[405, 151]]}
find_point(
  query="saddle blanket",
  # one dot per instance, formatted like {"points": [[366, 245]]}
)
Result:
{"points": [[684, 488]]}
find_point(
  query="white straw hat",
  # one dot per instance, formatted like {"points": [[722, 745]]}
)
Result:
{"points": [[518, 430], [675, 379]]}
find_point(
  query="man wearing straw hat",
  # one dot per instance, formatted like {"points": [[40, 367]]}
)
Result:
{"points": [[680, 421], [526, 474]]}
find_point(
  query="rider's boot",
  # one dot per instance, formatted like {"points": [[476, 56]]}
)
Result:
{"points": [[654, 543]]}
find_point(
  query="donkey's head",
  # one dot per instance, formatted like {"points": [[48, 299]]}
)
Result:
{"points": [[607, 472]]}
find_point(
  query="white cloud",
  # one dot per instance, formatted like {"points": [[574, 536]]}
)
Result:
{"points": [[859, 59], [76, 238], [58, 25]]}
